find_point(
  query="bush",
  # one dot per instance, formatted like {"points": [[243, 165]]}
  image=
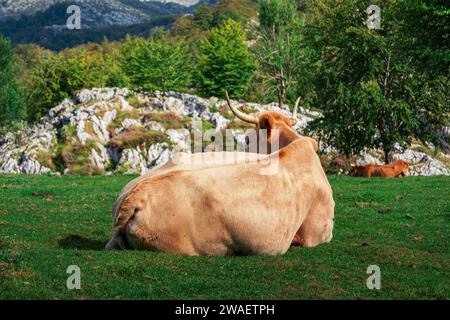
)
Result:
{"points": [[169, 120], [157, 64], [135, 137]]}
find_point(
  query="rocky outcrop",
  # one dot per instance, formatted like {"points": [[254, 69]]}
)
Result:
{"points": [[115, 130]]}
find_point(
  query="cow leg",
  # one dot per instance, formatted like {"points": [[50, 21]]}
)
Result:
{"points": [[317, 227]]}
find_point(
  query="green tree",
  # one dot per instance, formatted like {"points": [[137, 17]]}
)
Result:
{"points": [[425, 29], [157, 64], [225, 62], [368, 82], [54, 77], [204, 16], [11, 95], [278, 47]]}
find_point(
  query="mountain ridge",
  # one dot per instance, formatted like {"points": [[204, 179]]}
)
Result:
{"points": [[17, 8], [45, 22]]}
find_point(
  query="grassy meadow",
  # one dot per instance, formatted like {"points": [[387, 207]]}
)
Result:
{"points": [[48, 223]]}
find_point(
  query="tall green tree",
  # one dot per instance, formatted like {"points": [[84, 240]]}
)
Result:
{"points": [[225, 62], [11, 96], [157, 64], [278, 45], [426, 29], [373, 92]]}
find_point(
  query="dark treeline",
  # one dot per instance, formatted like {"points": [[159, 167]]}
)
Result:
{"points": [[375, 87]]}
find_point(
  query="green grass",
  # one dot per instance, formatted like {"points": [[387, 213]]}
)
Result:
{"points": [[401, 225]]}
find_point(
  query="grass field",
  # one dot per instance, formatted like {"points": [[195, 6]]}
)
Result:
{"points": [[49, 223]]}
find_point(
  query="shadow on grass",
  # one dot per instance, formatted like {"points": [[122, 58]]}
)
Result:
{"points": [[75, 241]]}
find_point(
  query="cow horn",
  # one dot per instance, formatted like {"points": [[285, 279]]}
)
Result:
{"points": [[294, 113], [240, 114]]}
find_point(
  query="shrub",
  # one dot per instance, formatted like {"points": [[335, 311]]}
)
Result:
{"points": [[136, 137], [169, 120]]}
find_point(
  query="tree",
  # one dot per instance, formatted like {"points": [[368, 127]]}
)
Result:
{"points": [[372, 91], [11, 96], [51, 77], [426, 29], [278, 46], [225, 62], [204, 16], [157, 64]]}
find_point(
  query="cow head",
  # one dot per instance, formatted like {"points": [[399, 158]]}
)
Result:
{"points": [[277, 126], [403, 167]]}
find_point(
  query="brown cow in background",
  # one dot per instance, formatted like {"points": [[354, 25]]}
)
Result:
{"points": [[391, 170]]}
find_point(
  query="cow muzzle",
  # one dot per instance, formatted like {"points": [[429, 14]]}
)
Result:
{"points": [[117, 242]]}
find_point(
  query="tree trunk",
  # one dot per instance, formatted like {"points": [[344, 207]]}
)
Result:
{"points": [[280, 100], [386, 155]]}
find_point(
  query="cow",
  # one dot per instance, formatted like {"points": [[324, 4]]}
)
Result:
{"points": [[230, 209], [277, 126], [365, 171], [391, 170]]}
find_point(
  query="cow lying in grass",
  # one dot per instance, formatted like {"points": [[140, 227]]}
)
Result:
{"points": [[391, 170], [315, 226], [277, 126], [230, 209]]}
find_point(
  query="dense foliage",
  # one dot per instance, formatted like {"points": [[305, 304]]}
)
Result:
{"points": [[155, 64], [225, 62], [373, 88], [11, 96], [54, 77], [278, 49]]}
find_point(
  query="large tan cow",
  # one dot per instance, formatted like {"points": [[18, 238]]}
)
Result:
{"points": [[230, 209], [278, 128]]}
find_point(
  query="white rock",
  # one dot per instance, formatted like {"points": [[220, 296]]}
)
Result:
{"points": [[180, 139], [132, 161], [158, 155], [220, 122], [367, 158]]}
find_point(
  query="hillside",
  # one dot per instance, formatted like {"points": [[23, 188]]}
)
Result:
{"points": [[111, 130], [44, 22]]}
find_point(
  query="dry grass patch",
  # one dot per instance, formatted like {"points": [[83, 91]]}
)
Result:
{"points": [[169, 120], [136, 137]]}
